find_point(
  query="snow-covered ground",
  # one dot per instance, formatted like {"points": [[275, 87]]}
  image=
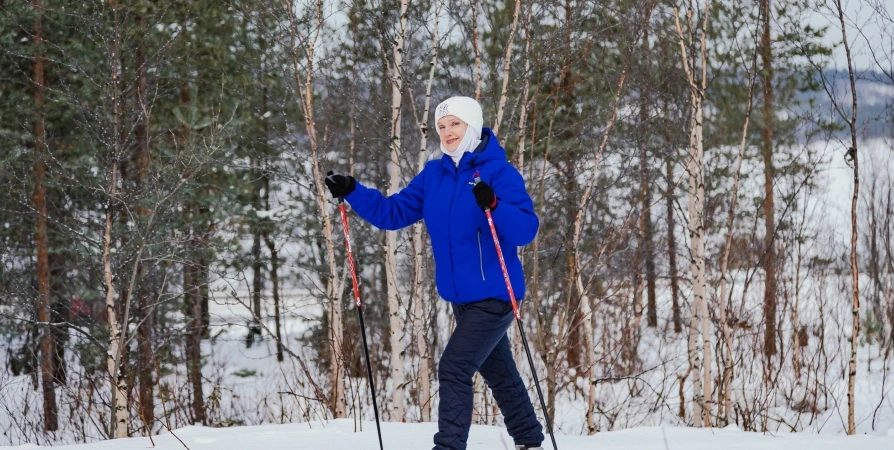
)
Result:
{"points": [[341, 435]]}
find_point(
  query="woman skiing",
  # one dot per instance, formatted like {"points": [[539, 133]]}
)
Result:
{"points": [[450, 194]]}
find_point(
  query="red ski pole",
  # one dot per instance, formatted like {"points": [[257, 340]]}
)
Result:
{"points": [[372, 385], [521, 329]]}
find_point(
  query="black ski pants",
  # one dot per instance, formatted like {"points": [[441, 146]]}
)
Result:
{"points": [[479, 344]]}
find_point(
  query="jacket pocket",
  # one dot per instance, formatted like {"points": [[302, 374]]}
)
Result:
{"points": [[480, 255]]}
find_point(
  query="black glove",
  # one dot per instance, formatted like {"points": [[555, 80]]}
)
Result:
{"points": [[340, 185], [485, 196]]}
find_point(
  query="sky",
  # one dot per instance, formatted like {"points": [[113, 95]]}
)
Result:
{"points": [[877, 33]]}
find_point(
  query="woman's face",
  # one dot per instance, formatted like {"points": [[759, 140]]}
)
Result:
{"points": [[451, 130]]}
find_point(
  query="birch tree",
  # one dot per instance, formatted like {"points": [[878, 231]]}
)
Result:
{"points": [[419, 298], [396, 333], [699, 327], [849, 116], [524, 102], [115, 352], [476, 50], [306, 103], [507, 63], [852, 157]]}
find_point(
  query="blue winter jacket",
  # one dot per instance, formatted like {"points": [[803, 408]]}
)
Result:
{"points": [[467, 268]]}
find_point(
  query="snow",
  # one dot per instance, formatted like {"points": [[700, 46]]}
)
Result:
{"points": [[340, 434]]}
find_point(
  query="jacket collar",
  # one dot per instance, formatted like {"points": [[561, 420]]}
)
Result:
{"points": [[489, 149]]}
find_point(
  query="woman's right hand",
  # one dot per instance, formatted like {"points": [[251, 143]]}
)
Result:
{"points": [[340, 185]]}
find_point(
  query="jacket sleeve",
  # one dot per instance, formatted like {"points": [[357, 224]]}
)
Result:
{"points": [[389, 212], [514, 215]]}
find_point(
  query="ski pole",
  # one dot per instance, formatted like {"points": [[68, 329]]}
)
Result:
{"points": [[372, 385], [521, 329]]}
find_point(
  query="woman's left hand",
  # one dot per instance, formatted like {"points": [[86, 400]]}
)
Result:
{"points": [[485, 196]]}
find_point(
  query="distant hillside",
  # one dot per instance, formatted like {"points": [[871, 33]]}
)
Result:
{"points": [[875, 101]]}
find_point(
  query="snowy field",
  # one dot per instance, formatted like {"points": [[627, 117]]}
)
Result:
{"points": [[341, 435]]}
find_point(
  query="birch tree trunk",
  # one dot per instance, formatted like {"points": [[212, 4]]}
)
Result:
{"points": [[699, 328], [116, 350], [705, 319], [116, 377], [420, 300], [855, 269], [589, 357], [396, 333], [50, 409], [507, 64], [523, 114], [476, 50], [305, 86], [697, 263]]}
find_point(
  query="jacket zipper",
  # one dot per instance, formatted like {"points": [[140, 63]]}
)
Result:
{"points": [[480, 255], [449, 209]]}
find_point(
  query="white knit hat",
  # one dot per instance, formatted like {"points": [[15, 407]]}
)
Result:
{"points": [[466, 109]]}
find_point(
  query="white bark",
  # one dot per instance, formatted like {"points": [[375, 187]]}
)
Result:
{"points": [[507, 64], [336, 364], [699, 328], [476, 50], [113, 356], [523, 115], [396, 333], [855, 270], [589, 357], [419, 298]]}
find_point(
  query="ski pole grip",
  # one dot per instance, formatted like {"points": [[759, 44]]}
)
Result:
{"points": [[340, 199]]}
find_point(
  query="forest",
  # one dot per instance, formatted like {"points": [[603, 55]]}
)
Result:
{"points": [[712, 178]]}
